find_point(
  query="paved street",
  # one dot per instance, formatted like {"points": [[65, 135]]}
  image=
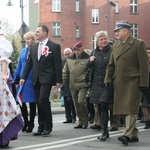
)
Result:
{"points": [[64, 137]]}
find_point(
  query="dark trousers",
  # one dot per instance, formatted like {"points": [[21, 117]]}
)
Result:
{"points": [[42, 93], [104, 114], [24, 112], [91, 110], [69, 108]]}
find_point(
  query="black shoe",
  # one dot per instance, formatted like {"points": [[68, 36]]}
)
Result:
{"points": [[4, 146], [146, 125], [125, 140], [68, 121], [134, 139], [30, 128], [46, 132], [78, 127], [96, 127], [104, 135], [37, 133], [84, 126], [113, 129], [24, 128]]}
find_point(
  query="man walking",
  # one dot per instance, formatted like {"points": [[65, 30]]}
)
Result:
{"points": [[45, 60], [128, 68], [74, 72], [66, 93]]}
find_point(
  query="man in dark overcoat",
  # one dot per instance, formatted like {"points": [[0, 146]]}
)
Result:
{"points": [[45, 60], [128, 68]]}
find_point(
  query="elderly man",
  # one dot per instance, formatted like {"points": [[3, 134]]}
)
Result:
{"points": [[74, 72], [66, 93], [128, 68]]}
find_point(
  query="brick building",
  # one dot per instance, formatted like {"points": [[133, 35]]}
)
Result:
{"points": [[70, 21]]}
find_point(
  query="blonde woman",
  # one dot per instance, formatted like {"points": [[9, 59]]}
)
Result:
{"points": [[28, 90]]}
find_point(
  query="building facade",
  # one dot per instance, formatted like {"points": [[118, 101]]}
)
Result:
{"points": [[70, 21]]}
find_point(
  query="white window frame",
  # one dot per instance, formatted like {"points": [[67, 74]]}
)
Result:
{"points": [[95, 16], [56, 5], [133, 6], [77, 6], [56, 29], [77, 32], [93, 42], [117, 7], [134, 30]]}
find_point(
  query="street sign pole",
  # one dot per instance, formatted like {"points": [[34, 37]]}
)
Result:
{"points": [[22, 25]]}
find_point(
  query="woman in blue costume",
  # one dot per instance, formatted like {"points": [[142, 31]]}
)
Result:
{"points": [[10, 120], [27, 93]]}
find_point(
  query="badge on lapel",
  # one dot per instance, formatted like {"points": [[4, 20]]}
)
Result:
{"points": [[45, 51]]}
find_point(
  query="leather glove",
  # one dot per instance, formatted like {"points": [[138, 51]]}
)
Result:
{"points": [[144, 89]]}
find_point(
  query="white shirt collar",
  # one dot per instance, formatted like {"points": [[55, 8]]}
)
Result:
{"points": [[44, 42]]}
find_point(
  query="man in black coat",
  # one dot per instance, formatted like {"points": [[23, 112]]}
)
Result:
{"points": [[45, 60]]}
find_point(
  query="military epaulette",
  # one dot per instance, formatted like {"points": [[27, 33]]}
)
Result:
{"points": [[138, 39]]}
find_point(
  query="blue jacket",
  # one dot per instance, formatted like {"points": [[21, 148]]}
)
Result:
{"points": [[28, 90]]}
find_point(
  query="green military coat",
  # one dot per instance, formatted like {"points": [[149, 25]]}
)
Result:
{"points": [[75, 70], [128, 68]]}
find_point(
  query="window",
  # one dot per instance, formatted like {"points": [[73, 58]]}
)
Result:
{"points": [[95, 16], [93, 42], [133, 6], [77, 32], [56, 29], [117, 7], [134, 30], [56, 5], [77, 5]]}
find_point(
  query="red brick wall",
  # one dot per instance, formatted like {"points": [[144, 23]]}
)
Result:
{"points": [[70, 19]]}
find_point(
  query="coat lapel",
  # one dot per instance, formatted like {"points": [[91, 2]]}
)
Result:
{"points": [[125, 47], [36, 51]]}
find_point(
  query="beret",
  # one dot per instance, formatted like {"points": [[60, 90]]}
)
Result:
{"points": [[77, 45]]}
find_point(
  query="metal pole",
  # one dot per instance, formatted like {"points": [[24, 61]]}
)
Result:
{"points": [[22, 25]]}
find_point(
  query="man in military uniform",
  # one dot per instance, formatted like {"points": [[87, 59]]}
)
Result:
{"points": [[128, 68], [74, 72]]}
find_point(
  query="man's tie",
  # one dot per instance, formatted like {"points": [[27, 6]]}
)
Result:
{"points": [[40, 50]]}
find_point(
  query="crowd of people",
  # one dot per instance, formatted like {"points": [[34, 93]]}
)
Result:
{"points": [[110, 82]]}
